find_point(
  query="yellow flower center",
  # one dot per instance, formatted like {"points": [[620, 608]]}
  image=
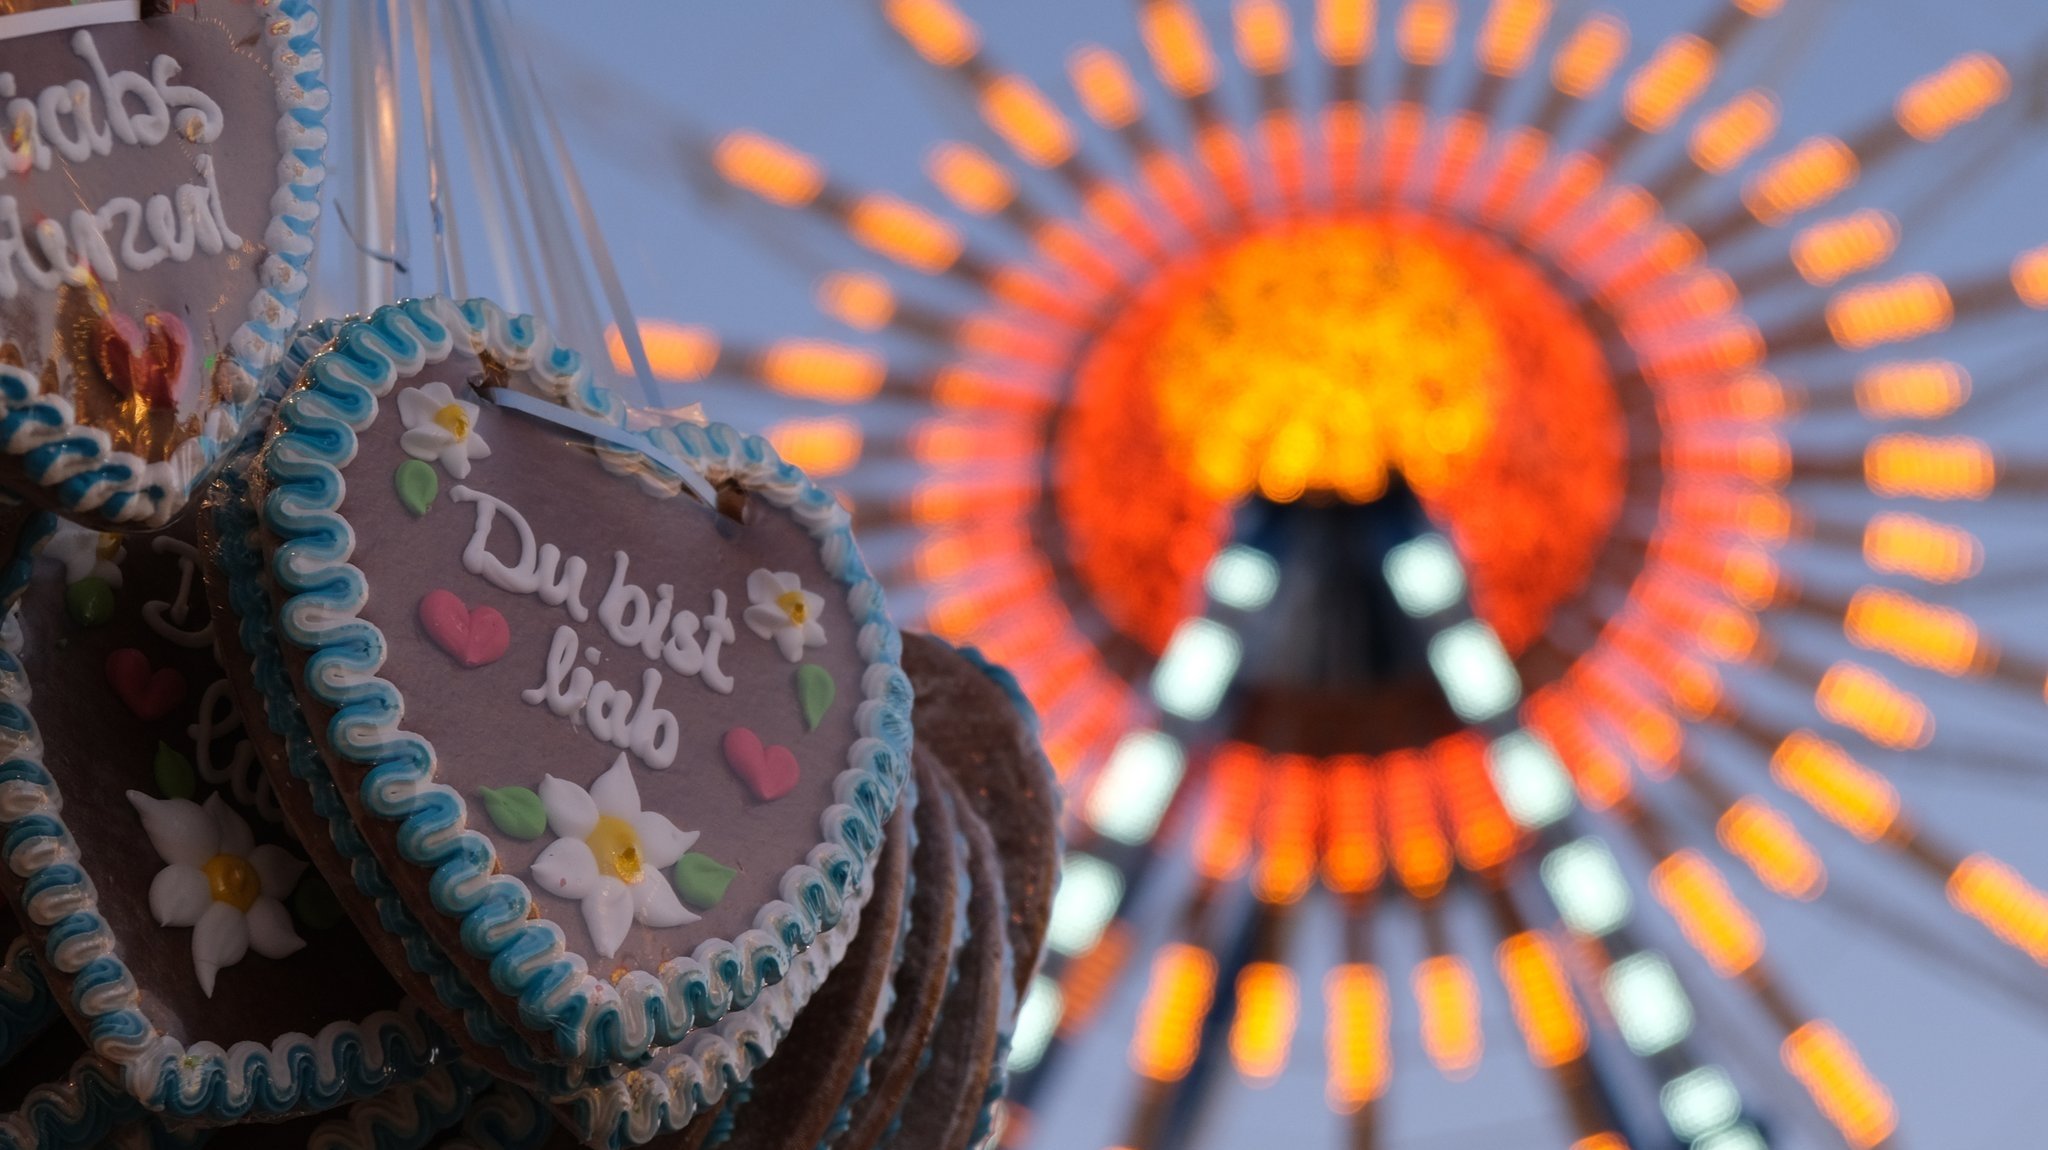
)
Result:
{"points": [[107, 547], [233, 881], [792, 604], [452, 417], [617, 849]]}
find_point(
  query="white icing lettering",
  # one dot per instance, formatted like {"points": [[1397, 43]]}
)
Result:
{"points": [[717, 633], [168, 619], [540, 569], [640, 726]]}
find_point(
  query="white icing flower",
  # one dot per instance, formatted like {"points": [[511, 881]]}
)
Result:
{"points": [[609, 855], [440, 427], [218, 882], [86, 554], [783, 611]]}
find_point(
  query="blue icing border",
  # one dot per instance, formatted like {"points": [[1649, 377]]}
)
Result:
{"points": [[585, 1019], [77, 465], [81, 1110]]}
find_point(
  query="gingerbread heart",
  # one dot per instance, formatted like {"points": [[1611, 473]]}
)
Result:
{"points": [[611, 631], [148, 692], [474, 636], [769, 771], [169, 188]]}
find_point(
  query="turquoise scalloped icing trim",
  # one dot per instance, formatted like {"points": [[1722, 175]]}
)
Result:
{"points": [[586, 1019], [14, 576], [25, 1003], [407, 1118], [76, 465], [81, 1110], [503, 1118]]}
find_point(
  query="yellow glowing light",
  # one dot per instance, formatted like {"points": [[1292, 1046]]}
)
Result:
{"points": [[1938, 638], [1868, 703], [1900, 544], [1179, 48], [814, 369], [1510, 34], [768, 168], [1104, 84], [677, 353], [1733, 132], [1352, 860], [1772, 848], [1669, 83], [1588, 59], [1267, 1001], [903, 232], [1262, 35], [972, 180], [1926, 389], [1027, 121], [1344, 29], [822, 447], [2030, 278], [1169, 1031], [1894, 312], [1089, 978], [1359, 1049], [2006, 903], [1855, 1102], [1287, 834], [1706, 911], [1542, 999], [1449, 998], [1832, 250], [1964, 90], [1806, 177], [1849, 794], [857, 299], [1925, 467], [1425, 32], [1604, 1140], [935, 28]]}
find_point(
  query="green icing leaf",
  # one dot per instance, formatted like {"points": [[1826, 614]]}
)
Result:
{"points": [[417, 486], [174, 777], [516, 810], [814, 692], [315, 905], [90, 602], [702, 880]]}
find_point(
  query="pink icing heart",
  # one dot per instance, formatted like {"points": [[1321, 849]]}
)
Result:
{"points": [[474, 636], [149, 692], [769, 771]]}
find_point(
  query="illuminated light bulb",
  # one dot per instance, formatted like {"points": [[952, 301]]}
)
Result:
{"points": [[1669, 82], [1087, 980], [1132, 793], [1551, 1024], [1449, 998], [1038, 1020], [1868, 703], [1832, 250], [1900, 544], [1997, 896], [1600, 777], [1588, 58], [768, 168], [1242, 577], [1425, 31], [858, 300], [1810, 175], [1476, 673], [1772, 848], [1855, 1102], [1262, 1032], [1741, 1136], [1356, 1037], [821, 447], [1926, 467], [1108, 94], [2030, 278], [676, 353], [1899, 311], [1717, 926], [946, 442], [1425, 576], [1169, 1030], [1415, 836], [1586, 883], [1650, 1008], [1844, 791], [1938, 638], [1027, 121], [1926, 389], [813, 369], [1262, 35], [1961, 92], [1510, 33], [903, 232], [935, 29], [1344, 29], [1480, 826], [1700, 1102], [1090, 890], [1352, 859], [1732, 133], [1287, 832], [973, 181], [1179, 48], [1223, 838], [1532, 783], [1601, 1141], [1196, 669]]}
